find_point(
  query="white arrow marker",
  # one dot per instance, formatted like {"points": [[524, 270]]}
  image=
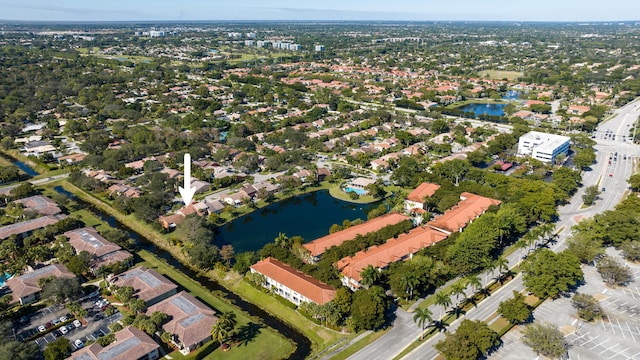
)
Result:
{"points": [[187, 191]]}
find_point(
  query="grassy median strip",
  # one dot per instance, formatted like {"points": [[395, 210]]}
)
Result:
{"points": [[359, 345]]}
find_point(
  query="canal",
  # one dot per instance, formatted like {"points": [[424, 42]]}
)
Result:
{"points": [[302, 343], [309, 215]]}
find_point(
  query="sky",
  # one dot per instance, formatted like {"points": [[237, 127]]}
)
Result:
{"points": [[413, 10]]}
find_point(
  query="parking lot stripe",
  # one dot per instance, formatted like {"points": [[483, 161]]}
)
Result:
{"points": [[618, 353]]}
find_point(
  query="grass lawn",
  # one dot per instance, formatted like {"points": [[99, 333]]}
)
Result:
{"points": [[320, 337], [500, 74], [268, 344], [359, 345]]}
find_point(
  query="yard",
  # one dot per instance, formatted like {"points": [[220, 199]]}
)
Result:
{"points": [[500, 74]]}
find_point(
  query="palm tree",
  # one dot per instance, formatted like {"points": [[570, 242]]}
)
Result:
{"points": [[282, 240], [490, 267], [223, 328], [474, 282], [423, 318], [458, 289], [443, 299], [409, 281], [503, 266], [370, 275]]}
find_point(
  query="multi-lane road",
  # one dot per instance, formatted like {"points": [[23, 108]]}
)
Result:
{"points": [[610, 176]]}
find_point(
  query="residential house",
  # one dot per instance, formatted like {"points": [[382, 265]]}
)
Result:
{"points": [[170, 221], [25, 288], [397, 249], [462, 214], [292, 284], [190, 321], [416, 198], [25, 228], [40, 204], [104, 252], [318, 246], [130, 344], [361, 183], [577, 110], [214, 206], [147, 283]]}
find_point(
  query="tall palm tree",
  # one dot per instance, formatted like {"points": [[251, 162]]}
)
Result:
{"points": [[443, 299], [503, 266], [458, 289], [410, 281], [475, 282], [423, 318], [490, 268], [370, 275], [282, 240], [224, 327]]}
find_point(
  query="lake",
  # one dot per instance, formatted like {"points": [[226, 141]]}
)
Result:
{"points": [[309, 215], [488, 109]]}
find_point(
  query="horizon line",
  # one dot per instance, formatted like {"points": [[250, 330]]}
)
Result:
{"points": [[307, 20]]}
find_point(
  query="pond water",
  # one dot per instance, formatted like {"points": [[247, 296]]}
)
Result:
{"points": [[488, 109], [511, 95], [25, 168], [309, 216], [303, 344]]}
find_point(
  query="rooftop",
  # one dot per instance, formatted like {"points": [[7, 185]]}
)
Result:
{"points": [[470, 207], [393, 250], [296, 280], [131, 343], [27, 284], [320, 245], [29, 225], [87, 239], [147, 283], [423, 190], [40, 204]]}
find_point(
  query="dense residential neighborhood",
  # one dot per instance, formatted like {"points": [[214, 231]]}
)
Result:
{"points": [[319, 190]]}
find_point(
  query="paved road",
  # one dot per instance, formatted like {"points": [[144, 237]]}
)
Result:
{"points": [[404, 330], [36, 182]]}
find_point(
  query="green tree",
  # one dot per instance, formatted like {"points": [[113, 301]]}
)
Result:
{"points": [[423, 318], [545, 339], [443, 299], [584, 248], [631, 250], [368, 308], [472, 340], [515, 310], [590, 195], [58, 349], [58, 290], [370, 275], [613, 272], [634, 182], [588, 308], [547, 274], [224, 327]]}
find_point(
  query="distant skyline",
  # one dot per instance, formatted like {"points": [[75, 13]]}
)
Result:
{"points": [[412, 10]]}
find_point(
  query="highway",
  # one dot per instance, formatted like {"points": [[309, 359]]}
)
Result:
{"points": [[405, 331]]}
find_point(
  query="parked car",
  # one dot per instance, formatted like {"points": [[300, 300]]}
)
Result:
{"points": [[78, 343], [63, 318], [42, 328], [64, 330], [77, 323]]}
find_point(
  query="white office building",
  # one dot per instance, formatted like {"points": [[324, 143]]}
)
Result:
{"points": [[542, 146]]}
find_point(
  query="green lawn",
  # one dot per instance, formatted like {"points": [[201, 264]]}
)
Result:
{"points": [[268, 344], [500, 74], [359, 345], [320, 337]]}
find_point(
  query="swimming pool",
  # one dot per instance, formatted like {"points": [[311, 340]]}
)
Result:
{"points": [[355, 190], [3, 278]]}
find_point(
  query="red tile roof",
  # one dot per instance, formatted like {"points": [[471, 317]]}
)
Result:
{"points": [[296, 280], [27, 284], [423, 190], [393, 250], [470, 207], [130, 343], [320, 245]]}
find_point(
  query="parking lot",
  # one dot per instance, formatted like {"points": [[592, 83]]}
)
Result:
{"points": [[95, 324], [616, 336]]}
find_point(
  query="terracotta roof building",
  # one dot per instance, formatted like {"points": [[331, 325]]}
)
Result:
{"points": [[26, 227], [130, 344], [320, 245], [25, 287], [401, 248], [459, 216], [104, 251], [191, 320], [293, 284], [147, 283], [40, 204], [415, 199]]}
